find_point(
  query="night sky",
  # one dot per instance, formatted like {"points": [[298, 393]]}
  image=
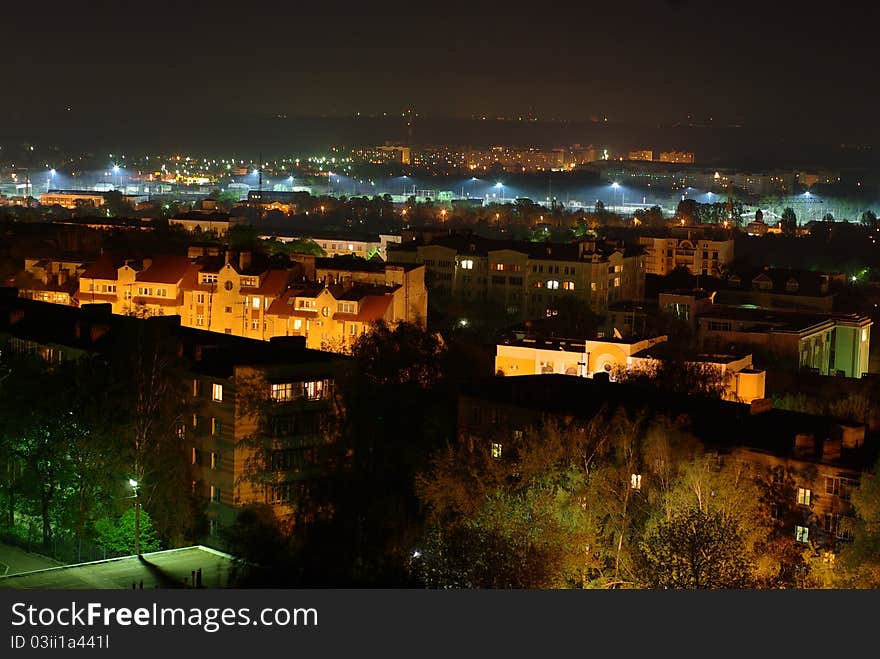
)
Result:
{"points": [[765, 65]]}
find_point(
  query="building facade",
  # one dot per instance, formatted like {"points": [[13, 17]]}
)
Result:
{"points": [[530, 280]]}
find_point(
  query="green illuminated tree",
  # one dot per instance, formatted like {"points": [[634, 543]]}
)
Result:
{"points": [[118, 536]]}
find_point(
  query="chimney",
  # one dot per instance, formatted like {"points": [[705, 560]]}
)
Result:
{"points": [[226, 256], [244, 260]]}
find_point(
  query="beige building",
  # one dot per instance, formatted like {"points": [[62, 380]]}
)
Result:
{"points": [[50, 280], [681, 157], [743, 382], [531, 280], [329, 304], [699, 255]]}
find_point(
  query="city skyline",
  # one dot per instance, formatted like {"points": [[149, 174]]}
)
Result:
{"points": [[803, 74]]}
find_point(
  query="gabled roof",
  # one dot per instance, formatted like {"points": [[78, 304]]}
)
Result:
{"points": [[165, 269], [372, 308], [106, 266]]}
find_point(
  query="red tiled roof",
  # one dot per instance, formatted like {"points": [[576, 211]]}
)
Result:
{"points": [[273, 284], [373, 308], [104, 267], [165, 269]]}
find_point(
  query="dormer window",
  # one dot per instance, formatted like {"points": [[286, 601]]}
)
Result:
{"points": [[792, 285]]}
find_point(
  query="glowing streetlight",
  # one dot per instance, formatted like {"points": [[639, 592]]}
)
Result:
{"points": [[137, 516]]}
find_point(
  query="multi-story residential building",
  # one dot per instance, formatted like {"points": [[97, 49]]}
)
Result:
{"points": [[816, 460], [365, 246], [75, 198], [528, 279], [334, 300], [261, 407], [642, 154], [50, 279], [780, 288], [146, 287], [198, 221], [586, 358], [700, 256], [681, 157]]}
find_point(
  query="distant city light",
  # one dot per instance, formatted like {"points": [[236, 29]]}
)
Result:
{"points": [[115, 169]]}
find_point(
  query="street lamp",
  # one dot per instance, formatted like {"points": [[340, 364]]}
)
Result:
{"points": [[137, 516]]}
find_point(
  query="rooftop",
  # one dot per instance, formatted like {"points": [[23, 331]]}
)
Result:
{"points": [[160, 569]]}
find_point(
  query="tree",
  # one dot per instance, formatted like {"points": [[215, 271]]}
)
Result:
{"points": [[243, 237], [869, 220], [509, 521], [695, 549], [118, 537], [860, 561], [788, 222], [688, 211], [116, 205]]}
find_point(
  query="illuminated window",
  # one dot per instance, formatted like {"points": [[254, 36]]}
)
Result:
{"points": [[217, 392], [215, 494], [297, 324], [593, 286], [553, 284], [635, 481], [215, 460], [313, 390], [255, 303], [802, 533], [499, 266], [467, 264], [281, 392], [496, 450], [216, 426], [350, 247], [347, 307], [804, 496], [568, 285], [864, 335]]}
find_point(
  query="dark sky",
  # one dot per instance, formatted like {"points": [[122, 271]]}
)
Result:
{"points": [[754, 63]]}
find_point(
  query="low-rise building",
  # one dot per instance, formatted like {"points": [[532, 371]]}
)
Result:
{"points": [[829, 344], [614, 357]]}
